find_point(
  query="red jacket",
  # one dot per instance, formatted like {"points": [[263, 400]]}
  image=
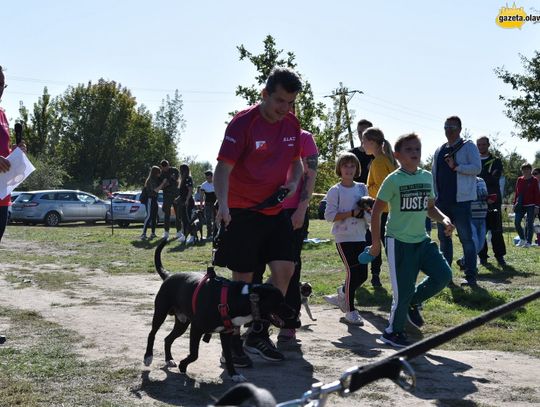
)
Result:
{"points": [[530, 191]]}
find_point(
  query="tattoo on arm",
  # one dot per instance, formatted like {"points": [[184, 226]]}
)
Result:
{"points": [[304, 196], [312, 162]]}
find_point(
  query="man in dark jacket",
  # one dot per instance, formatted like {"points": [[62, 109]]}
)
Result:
{"points": [[492, 170]]}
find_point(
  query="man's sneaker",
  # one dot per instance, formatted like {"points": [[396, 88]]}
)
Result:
{"points": [[521, 243], [376, 281], [415, 317], [398, 340], [166, 234], [152, 236], [264, 347], [142, 237], [484, 262], [286, 335], [461, 263], [190, 240], [239, 360], [352, 318], [526, 245], [180, 236]]}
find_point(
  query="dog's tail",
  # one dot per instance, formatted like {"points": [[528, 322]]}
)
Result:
{"points": [[157, 260]]}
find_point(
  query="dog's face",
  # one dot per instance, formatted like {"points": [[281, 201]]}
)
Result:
{"points": [[305, 289], [366, 203], [272, 305]]}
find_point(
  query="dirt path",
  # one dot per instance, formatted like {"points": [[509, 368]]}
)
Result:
{"points": [[113, 314]]}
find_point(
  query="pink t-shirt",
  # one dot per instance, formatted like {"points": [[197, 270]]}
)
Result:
{"points": [[261, 154], [4, 147], [307, 148]]}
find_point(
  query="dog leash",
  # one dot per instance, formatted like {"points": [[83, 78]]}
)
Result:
{"points": [[395, 367]]}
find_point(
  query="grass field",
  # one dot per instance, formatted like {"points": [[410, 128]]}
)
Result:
{"points": [[25, 374]]}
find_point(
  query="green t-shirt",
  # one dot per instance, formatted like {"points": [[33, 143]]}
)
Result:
{"points": [[407, 195]]}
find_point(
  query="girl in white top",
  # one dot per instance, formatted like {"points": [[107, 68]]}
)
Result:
{"points": [[350, 224]]}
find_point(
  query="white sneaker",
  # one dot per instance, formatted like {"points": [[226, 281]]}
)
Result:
{"points": [[353, 318], [180, 236], [337, 300], [190, 240], [521, 243], [166, 234], [332, 299]]}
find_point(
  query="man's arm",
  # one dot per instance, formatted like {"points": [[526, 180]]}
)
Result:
{"points": [[310, 173], [221, 186], [297, 170]]}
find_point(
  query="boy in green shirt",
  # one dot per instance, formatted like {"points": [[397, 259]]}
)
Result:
{"points": [[408, 191]]}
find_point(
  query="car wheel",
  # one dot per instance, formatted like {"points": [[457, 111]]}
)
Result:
{"points": [[52, 218], [123, 223]]}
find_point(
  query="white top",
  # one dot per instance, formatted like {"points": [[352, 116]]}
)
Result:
{"points": [[344, 199], [207, 186]]}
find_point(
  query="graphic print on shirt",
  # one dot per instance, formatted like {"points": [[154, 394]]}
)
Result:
{"points": [[414, 198]]}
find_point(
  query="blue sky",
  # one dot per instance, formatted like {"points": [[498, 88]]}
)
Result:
{"points": [[416, 62]]}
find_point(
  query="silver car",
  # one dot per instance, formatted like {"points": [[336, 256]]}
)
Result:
{"points": [[14, 196], [128, 209], [54, 206]]}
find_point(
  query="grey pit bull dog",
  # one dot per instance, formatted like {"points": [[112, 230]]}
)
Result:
{"points": [[214, 310]]}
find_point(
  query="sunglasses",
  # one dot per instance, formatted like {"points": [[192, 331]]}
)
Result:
{"points": [[450, 126]]}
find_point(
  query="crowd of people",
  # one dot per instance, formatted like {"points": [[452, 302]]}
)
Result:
{"points": [[263, 182]]}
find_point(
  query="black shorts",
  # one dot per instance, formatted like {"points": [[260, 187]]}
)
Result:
{"points": [[252, 239]]}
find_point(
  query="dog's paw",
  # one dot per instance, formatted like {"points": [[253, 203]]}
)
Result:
{"points": [[238, 378], [171, 363], [148, 360]]}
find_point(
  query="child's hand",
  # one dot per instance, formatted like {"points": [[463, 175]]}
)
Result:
{"points": [[448, 227], [375, 249]]}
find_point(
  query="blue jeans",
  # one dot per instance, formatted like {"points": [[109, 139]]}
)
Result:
{"points": [[529, 211], [460, 215], [479, 233]]}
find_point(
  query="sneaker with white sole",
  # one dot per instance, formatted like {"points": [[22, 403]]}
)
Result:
{"points": [[264, 347], [521, 243], [526, 245], [166, 234], [398, 340], [337, 300], [190, 240], [142, 237], [180, 236], [352, 318]]}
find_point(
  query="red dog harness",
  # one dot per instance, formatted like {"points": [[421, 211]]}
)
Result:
{"points": [[223, 306]]}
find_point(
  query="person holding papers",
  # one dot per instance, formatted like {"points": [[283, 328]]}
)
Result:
{"points": [[4, 152]]}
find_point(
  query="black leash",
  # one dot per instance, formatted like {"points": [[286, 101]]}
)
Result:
{"points": [[396, 366]]}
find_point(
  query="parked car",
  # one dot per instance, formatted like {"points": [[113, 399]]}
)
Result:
{"points": [[14, 196], [128, 209], [55, 206]]}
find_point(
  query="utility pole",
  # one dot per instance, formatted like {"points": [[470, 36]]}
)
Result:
{"points": [[345, 95]]}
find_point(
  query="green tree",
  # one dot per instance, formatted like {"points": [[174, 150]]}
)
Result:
{"points": [[309, 112], [170, 122], [48, 175], [524, 109]]}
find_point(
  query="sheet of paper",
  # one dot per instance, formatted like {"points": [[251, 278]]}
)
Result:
{"points": [[20, 169]]}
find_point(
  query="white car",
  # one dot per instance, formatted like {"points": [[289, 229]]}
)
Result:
{"points": [[128, 209]]}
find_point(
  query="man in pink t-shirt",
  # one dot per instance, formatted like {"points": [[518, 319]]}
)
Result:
{"points": [[260, 147], [296, 207]]}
